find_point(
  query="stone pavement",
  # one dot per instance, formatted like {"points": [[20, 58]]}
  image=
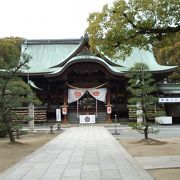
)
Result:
{"points": [[159, 162], [80, 153]]}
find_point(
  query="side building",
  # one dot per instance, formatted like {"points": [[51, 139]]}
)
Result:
{"points": [[64, 73]]}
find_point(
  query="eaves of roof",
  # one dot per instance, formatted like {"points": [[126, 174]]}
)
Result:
{"points": [[115, 70], [169, 88]]}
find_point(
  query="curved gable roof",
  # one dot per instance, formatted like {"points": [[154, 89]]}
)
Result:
{"points": [[79, 50], [116, 70], [52, 56]]}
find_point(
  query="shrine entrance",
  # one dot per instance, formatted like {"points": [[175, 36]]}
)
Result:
{"points": [[87, 104], [87, 101]]}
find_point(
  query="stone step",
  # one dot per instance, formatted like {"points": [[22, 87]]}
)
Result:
{"points": [[101, 118]]}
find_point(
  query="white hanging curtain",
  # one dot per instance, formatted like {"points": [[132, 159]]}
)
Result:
{"points": [[99, 94], [75, 94]]}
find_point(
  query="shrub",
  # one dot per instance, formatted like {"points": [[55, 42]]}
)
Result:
{"points": [[3, 130]]}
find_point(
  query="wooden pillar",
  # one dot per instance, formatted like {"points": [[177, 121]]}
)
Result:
{"points": [[109, 120], [65, 120]]}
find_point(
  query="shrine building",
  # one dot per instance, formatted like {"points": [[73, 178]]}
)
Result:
{"points": [[65, 74]]}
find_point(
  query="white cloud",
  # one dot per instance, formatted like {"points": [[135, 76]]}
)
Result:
{"points": [[34, 19]]}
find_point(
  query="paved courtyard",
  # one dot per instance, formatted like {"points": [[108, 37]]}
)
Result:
{"points": [[80, 153]]}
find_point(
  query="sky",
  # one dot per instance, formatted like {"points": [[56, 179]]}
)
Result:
{"points": [[46, 19]]}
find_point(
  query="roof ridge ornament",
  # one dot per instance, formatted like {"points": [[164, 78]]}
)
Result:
{"points": [[85, 37]]}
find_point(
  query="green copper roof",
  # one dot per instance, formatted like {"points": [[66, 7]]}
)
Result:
{"points": [[142, 56], [47, 55], [54, 56], [89, 58]]}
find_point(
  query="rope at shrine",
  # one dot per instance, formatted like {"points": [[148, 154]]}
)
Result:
{"points": [[74, 87]]}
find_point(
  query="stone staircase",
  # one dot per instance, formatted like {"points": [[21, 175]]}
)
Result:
{"points": [[101, 118]]}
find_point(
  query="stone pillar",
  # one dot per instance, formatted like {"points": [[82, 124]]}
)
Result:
{"points": [[31, 116]]}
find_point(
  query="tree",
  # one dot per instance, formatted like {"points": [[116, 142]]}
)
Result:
{"points": [[13, 90], [134, 23], [167, 52], [143, 100]]}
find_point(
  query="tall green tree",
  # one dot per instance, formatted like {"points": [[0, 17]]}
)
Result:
{"points": [[142, 89], [13, 90], [117, 29], [167, 52]]}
